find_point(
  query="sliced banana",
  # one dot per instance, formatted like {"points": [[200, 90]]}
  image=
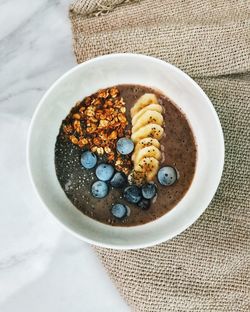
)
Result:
{"points": [[144, 143], [153, 107], [147, 130], [147, 142], [136, 177], [148, 166], [149, 151], [148, 117], [144, 100], [151, 130]]}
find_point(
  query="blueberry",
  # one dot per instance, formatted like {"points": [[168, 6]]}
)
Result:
{"points": [[144, 204], [104, 172], [125, 146], [118, 180], [88, 160], [148, 190], [167, 175], [132, 194], [119, 211], [99, 189]]}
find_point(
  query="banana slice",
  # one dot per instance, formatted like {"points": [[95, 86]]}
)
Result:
{"points": [[148, 166], [147, 142], [144, 143], [147, 118], [147, 130], [144, 100], [151, 130], [153, 107], [149, 151]]}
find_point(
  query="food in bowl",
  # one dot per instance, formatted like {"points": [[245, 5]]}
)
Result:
{"points": [[125, 155]]}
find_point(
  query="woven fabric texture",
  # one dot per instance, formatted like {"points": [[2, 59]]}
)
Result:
{"points": [[206, 268]]}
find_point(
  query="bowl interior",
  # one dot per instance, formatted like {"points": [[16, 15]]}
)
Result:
{"points": [[103, 72]]}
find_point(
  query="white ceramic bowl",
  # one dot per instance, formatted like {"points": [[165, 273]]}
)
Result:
{"points": [[102, 72]]}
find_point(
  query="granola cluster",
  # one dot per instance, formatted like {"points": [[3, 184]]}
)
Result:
{"points": [[97, 123]]}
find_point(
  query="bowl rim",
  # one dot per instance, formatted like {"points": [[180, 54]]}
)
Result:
{"points": [[143, 244]]}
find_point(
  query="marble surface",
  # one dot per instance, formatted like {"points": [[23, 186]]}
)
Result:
{"points": [[42, 268]]}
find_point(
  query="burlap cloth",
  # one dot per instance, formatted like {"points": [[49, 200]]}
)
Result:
{"points": [[206, 268]]}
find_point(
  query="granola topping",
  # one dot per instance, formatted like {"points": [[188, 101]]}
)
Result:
{"points": [[97, 123]]}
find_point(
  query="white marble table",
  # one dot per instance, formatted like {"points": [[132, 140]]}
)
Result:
{"points": [[42, 268]]}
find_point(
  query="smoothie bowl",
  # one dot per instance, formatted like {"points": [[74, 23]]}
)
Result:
{"points": [[125, 150]]}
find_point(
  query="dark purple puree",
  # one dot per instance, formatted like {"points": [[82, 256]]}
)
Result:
{"points": [[179, 152]]}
